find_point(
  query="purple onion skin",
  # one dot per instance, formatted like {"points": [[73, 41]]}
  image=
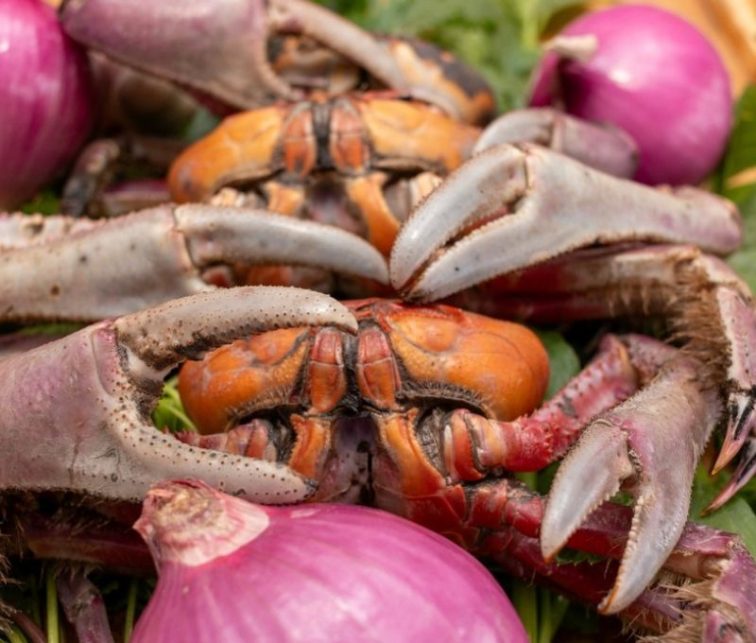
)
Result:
{"points": [[317, 573], [45, 99], [655, 76]]}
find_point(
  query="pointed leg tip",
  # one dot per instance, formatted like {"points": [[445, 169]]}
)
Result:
{"points": [[729, 450], [550, 548]]}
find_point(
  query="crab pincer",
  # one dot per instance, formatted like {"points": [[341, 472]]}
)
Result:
{"points": [[79, 408], [98, 269], [235, 52], [603, 147], [525, 213]]}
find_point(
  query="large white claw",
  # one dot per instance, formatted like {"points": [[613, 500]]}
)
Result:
{"points": [[537, 204], [78, 409]]}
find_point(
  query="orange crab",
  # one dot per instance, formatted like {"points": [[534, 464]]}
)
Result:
{"points": [[358, 162]]}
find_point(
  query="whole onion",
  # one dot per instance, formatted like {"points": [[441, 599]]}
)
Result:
{"points": [[234, 572], [45, 99], [650, 73]]}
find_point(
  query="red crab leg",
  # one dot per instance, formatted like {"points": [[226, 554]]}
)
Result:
{"points": [[546, 204], [724, 574], [101, 269], [475, 445], [605, 148], [77, 410]]}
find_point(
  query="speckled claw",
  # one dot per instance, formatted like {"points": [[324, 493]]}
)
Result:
{"points": [[143, 259], [78, 409], [543, 204], [653, 440], [601, 147]]}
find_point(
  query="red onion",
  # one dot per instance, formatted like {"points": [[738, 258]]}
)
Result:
{"points": [[46, 99], [233, 571], [652, 74]]}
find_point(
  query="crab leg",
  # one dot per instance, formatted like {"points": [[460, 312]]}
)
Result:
{"points": [[77, 409], [83, 606], [550, 204], [673, 416], [719, 572], [604, 148], [474, 445], [107, 268]]}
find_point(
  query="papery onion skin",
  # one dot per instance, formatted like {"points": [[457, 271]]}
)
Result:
{"points": [[309, 573], [45, 99], [655, 76]]}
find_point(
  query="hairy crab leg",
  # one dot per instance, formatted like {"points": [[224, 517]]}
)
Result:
{"points": [[544, 205], [78, 409], [604, 148], [107, 268], [719, 574]]}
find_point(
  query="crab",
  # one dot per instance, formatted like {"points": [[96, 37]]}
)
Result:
{"points": [[379, 402], [535, 203], [424, 411], [326, 138], [516, 181]]}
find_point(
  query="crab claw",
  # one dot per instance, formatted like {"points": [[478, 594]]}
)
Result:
{"points": [[77, 410], [155, 255], [543, 204], [226, 49], [605, 148], [653, 440]]}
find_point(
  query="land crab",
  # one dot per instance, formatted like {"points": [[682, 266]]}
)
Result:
{"points": [[507, 179], [631, 439]]}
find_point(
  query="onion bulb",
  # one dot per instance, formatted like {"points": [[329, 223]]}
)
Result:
{"points": [[650, 73], [233, 571], [46, 99]]}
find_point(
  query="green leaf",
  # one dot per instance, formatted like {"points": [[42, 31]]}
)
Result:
{"points": [[499, 38], [736, 516], [564, 363], [741, 149], [744, 260], [46, 202], [737, 181], [169, 413]]}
